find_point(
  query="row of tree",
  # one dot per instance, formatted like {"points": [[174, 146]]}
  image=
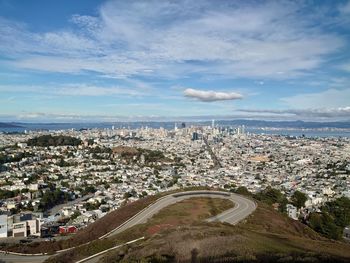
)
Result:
{"points": [[332, 219], [6, 158], [52, 198], [49, 140], [272, 196], [329, 222]]}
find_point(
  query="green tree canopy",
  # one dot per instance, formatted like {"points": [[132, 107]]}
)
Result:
{"points": [[299, 199], [49, 140], [273, 196], [334, 216]]}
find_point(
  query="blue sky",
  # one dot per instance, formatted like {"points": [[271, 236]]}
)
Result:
{"points": [[88, 60]]}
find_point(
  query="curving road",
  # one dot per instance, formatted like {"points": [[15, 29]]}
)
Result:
{"points": [[243, 208]]}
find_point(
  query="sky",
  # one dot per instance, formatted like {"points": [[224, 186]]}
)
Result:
{"points": [[89, 60]]}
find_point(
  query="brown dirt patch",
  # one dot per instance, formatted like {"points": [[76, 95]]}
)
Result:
{"points": [[260, 158], [187, 212]]}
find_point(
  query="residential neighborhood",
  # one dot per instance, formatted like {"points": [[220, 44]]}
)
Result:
{"points": [[54, 183]]}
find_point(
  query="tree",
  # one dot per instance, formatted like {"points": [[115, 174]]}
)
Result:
{"points": [[49, 140], [65, 184], [299, 199], [92, 206], [89, 189], [324, 224], [75, 215], [52, 198], [272, 196], [332, 219], [131, 193], [242, 190], [4, 194], [339, 209]]}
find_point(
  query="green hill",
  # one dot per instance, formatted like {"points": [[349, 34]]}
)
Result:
{"points": [[266, 236], [179, 234]]}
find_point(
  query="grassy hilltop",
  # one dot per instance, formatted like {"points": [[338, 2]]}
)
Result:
{"points": [[266, 236], [178, 233]]}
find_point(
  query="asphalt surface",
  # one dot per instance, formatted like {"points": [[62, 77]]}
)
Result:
{"points": [[22, 259], [243, 208]]}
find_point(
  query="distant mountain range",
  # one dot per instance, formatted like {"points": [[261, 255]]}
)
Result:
{"points": [[9, 125]]}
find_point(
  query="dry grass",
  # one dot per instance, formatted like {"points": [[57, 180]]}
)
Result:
{"points": [[96, 229], [266, 236], [185, 212], [190, 211], [91, 232], [267, 220]]}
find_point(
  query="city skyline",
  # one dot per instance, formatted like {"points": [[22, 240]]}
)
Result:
{"points": [[157, 60]]}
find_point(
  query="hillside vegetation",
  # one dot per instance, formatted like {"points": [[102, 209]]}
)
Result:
{"points": [[131, 154], [94, 230], [186, 212], [266, 236], [179, 234], [49, 140]]}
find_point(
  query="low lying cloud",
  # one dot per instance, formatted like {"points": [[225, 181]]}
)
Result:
{"points": [[329, 99], [317, 113], [328, 115], [77, 90], [210, 96]]}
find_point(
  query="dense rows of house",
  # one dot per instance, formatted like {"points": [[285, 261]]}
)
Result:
{"points": [[96, 179]]}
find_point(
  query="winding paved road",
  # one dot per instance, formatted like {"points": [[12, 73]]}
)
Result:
{"points": [[243, 208]]}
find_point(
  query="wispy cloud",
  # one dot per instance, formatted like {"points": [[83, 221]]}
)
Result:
{"points": [[330, 98], [345, 67], [345, 8], [74, 90], [305, 113], [340, 114], [210, 96], [142, 38]]}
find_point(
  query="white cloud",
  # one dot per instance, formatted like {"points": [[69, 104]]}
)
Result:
{"points": [[331, 98], [340, 114], [44, 116], [210, 96], [113, 65], [305, 113], [345, 8], [346, 67], [267, 39], [86, 90], [75, 90]]}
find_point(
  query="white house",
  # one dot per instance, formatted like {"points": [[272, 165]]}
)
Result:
{"points": [[292, 211]]}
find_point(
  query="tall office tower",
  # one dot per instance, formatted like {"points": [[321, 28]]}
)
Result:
{"points": [[213, 124], [113, 127], [183, 125], [175, 127]]}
